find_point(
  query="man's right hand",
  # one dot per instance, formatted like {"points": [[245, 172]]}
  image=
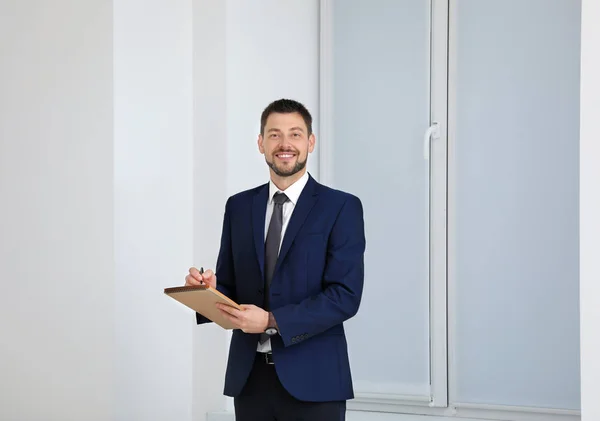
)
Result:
{"points": [[195, 278]]}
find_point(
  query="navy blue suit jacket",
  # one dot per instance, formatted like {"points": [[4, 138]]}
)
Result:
{"points": [[317, 285]]}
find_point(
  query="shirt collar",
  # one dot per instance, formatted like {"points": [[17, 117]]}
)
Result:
{"points": [[292, 192]]}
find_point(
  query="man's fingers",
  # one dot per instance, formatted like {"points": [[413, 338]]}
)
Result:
{"points": [[237, 322], [190, 280], [195, 273], [230, 310], [207, 274], [232, 319]]}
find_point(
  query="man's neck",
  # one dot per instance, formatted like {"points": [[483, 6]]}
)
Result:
{"points": [[283, 183]]}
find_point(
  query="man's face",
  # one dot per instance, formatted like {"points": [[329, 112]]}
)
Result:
{"points": [[286, 143]]}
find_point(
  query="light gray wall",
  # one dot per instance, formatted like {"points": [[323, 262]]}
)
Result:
{"points": [[209, 191], [56, 211], [246, 54], [153, 162], [271, 52], [590, 209], [173, 166]]}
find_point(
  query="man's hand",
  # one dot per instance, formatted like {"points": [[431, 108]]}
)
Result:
{"points": [[251, 319], [195, 278]]}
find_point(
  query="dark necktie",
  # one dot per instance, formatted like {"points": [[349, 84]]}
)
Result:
{"points": [[272, 246]]}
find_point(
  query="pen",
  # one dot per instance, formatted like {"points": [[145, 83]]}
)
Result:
{"points": [[201, 272]]}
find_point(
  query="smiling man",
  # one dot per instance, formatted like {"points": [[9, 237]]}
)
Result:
{"points": [[291, 253], [287, 159]]}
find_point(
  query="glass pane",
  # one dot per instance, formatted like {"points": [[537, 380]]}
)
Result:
{"points": [[517, 175], [381, 112]]}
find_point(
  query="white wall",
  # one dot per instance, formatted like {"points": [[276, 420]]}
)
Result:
{"points": [[272, 52], [174, 166], [246, 54], [153, 207], [56, 237], [210, 191], [590, 209]]}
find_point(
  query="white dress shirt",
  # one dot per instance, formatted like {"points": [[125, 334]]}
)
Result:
{"points": [[293, 194]]}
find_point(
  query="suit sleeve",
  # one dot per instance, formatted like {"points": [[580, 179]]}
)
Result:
{"points": [[343, 281], [224, 270]]}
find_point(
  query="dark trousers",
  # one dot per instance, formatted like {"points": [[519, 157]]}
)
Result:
{"points": [[265, 399]]}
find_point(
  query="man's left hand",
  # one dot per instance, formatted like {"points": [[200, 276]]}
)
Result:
{"points": [[251, 319]]}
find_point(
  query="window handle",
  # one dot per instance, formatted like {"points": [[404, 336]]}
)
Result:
{"points": [[433, 132]]}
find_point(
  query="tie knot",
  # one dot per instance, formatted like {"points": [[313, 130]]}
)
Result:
{"points": [[279, 198]]}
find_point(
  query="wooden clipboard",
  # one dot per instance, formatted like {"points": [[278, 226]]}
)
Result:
{"points": [[202, 299]]}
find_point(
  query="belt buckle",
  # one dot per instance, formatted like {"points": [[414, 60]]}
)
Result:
{"points": [[269, 358]]}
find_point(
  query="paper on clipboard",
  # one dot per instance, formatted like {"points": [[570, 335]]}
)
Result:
{"points": [[202, 299]]}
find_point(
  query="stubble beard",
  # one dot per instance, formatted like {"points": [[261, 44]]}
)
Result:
{"points": [[299, 166]]}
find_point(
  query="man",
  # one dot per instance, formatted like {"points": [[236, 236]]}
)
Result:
{"points": [[292, 254]]}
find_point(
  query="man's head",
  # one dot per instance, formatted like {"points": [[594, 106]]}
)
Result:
{"points": [[286, 137]]}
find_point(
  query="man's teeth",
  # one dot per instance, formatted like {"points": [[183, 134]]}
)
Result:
{"points": [[286, 155]]}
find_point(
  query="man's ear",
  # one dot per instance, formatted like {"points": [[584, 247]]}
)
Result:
{"points": [[311, 142], [260, 144]]}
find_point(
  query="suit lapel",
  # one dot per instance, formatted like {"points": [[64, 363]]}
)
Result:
{"points": [[306, 201], [259, 210]]}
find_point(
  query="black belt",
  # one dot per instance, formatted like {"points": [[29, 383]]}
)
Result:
{"points": [[265, 357]]}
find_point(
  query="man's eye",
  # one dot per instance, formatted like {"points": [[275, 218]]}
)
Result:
{"points": [[296, 135]]}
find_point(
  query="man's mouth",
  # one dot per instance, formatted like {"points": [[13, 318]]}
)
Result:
{"points": [[285, 155]]}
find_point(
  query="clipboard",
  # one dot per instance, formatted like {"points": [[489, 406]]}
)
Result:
{"points": [[202, 299]]}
